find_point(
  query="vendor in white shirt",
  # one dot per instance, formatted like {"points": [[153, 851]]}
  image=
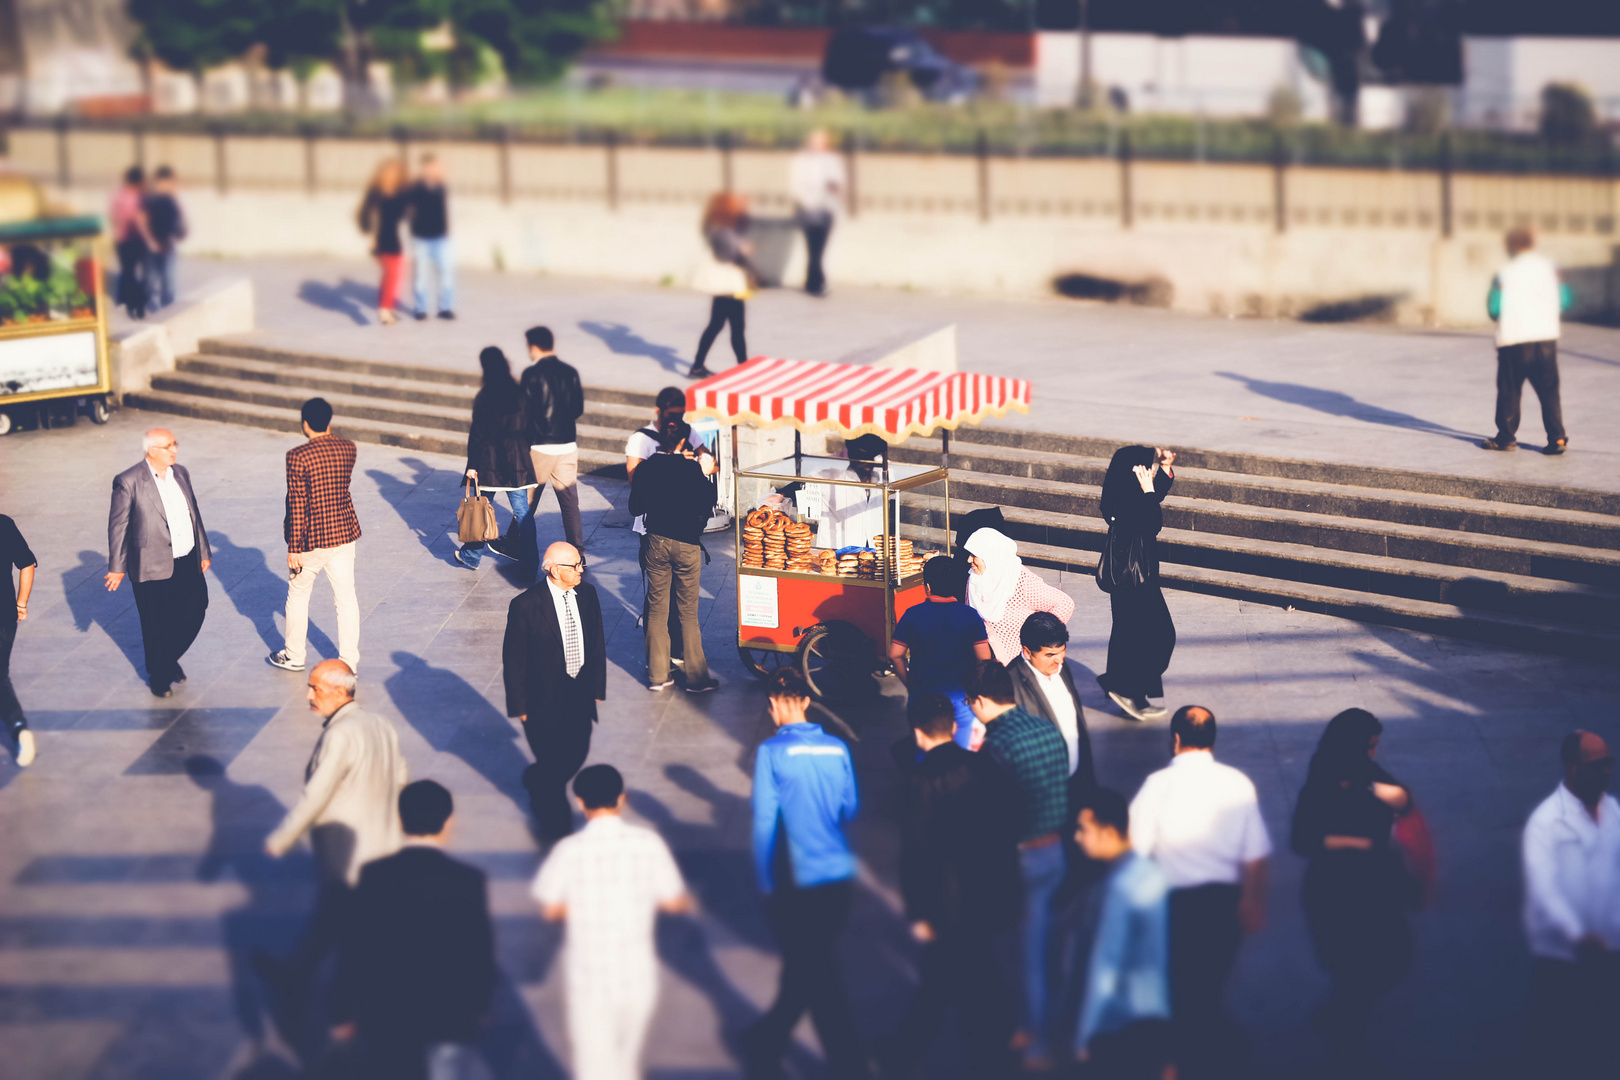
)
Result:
{"points": [[1200, 821], [1572, 914], [850, 516]]}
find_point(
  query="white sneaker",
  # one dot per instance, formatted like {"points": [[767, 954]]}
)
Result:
{"points": [[283, 661], [26, 750], [1154, 712]]}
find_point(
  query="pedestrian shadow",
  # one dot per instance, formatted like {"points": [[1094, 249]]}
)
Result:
{"points": [[349, 298], [455, 718], [422, 512], [624, 341], [258, 591], [1337, 403], [279, 891], [91, 604]]}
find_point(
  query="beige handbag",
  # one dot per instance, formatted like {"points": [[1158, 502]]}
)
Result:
{"points": [[475, 519]]}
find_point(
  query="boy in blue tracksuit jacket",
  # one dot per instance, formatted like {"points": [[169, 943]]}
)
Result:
{"points": [[804, 798]]}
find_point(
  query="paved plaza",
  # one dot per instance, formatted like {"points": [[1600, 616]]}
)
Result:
{"points": [[133, 887]]}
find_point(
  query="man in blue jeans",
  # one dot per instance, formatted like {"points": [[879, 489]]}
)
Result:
{"points": [[804, 798], [1032, 751], [938, 642], [430, 239]]}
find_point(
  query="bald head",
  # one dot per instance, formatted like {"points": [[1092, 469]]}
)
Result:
{"points": [[563, 565], [331, 686], [1588, 766], [161, 447], [1192, 728]]}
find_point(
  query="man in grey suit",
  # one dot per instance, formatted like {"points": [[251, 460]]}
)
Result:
{"points": [[350, 808], [155, 535], [1043, 686]]}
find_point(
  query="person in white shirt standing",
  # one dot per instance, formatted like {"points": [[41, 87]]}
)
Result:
{"points": [[1200, 821], [1526, 300], [817, 180], [1572, 915], [609, 882]]}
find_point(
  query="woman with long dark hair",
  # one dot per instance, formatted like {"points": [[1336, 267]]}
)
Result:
{"points": [[381, 213], [498, 460], [1357, 889], [1139, 648], [727, 277]]}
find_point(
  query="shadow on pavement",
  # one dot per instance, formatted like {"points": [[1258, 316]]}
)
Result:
{"points": [[430, 521], [624, 341], [349, 298], [1337, 403], [455, 718], [258, 591], [91, 603]]}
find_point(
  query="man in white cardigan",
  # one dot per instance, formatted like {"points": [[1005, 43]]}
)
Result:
{"points": [[1572, 915], [1526, 300], [350, 808]]}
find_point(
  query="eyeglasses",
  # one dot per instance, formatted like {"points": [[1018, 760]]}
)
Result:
{"points": [[580, 566]]}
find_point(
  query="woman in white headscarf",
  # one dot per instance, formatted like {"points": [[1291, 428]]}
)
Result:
{"points": [[1005, 593]]}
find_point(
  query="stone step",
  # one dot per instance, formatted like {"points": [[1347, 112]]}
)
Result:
{"points": [[1450, 512], [592, 460], [1438, 618], [1545, 599], [1071, 512]]}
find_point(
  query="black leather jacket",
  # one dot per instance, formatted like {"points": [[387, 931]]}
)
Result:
{"points": [[552, 401]]}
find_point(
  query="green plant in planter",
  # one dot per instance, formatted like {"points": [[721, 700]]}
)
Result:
{"points": [[13, 305], [62, 293], [28, 294]]}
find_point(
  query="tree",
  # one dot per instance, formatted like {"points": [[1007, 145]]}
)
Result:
{"points": [[535, 39], [1567, 113], [191, 35]]}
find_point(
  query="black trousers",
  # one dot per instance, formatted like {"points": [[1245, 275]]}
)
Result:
{"points": [[327, 925], [1571, 1008], [1205, 936], [11, 713], [960, 970], [1140, 645], [171, 613], [1138, 1051], [1538, 362], [560, 740], [724, 309], [674, 620], [817, 228], [134, 264], [807, 923]]}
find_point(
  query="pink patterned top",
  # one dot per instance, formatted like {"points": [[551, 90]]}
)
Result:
{"points": [[1031, 595]]}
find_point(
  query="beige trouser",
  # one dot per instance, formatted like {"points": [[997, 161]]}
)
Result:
{"points": [[338, 562], [562, 472]]}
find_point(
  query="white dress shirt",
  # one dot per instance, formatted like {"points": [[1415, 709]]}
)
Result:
{"points": [[1199, 820], [818, 181], [561, 598], [1064, 714], [177, 510], [1571, 875]]}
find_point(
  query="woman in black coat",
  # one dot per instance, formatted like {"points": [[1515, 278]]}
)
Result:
{"points": [[1356, 887], [1144, 636], [498, 460]]}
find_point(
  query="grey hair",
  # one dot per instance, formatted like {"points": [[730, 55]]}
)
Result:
{"points": [[150, 440], [342, 678]]}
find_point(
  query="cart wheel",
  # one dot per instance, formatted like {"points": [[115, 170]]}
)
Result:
{"points": [[6, 423], [100, 411], [837, 661], [765, 662]]}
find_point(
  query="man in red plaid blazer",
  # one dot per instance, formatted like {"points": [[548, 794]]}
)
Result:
{"points": [[321, 534]]}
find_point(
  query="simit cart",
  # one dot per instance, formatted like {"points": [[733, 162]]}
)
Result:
{"points": [[53, 315], [830, 549]]}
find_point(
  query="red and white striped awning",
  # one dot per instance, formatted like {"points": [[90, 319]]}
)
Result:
{"points": [[851, 399]]}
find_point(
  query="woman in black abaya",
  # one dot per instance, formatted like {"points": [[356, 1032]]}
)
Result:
{"points": [[1143, 638]]}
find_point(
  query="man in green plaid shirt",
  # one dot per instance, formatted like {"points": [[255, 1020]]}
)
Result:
{"points": [[1032, 751]]}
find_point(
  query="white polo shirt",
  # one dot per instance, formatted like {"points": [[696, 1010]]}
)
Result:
{"points": [[1199, 820]]}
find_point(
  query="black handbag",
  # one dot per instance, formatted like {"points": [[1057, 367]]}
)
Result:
{"points": [[1124, 564]]}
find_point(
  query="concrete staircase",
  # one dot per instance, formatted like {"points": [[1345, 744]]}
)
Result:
{"points": [[1520, 564]]}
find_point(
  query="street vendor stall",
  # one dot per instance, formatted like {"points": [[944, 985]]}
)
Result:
{"points": [[53, 316], [830, 549]]}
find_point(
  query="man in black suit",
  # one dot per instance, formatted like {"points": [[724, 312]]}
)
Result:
{"points": [[555, 662], [1043, 687], [416, 973], [155, 536]]}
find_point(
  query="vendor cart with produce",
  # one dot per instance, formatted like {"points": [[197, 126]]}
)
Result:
{"points": [[53, 316], [830, 547]]}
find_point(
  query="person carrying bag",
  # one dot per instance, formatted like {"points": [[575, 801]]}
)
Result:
{"points": [[475, 518]]}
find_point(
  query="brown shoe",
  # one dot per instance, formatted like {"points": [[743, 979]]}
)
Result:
{"points": [[1499, 444]]}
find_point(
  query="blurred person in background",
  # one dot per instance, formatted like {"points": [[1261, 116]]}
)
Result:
{"points": [[608, 882], [1005, 592], [1571, 856], [167, 224], [804, 798], [430, 239], [416, 969], [382, 210], [133, 241], [553, 402], [727, 275], [1526, 300], [1144, 635], [1199, 820], [938, 642], [14, 552], [498, 459], [817, 181], [670, 405], [1356, 887], [1123, 953]]}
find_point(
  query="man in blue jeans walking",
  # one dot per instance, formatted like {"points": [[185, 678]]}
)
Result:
{"points": [[804, 798], [1032, 751], [430, 239]]}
